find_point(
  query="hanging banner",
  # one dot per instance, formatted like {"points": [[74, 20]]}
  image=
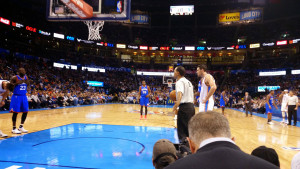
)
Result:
{"points": [[229, 17], [250, 15]]}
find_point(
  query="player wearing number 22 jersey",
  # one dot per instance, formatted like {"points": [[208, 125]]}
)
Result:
{"points": [[144, 93], [19, 103]]}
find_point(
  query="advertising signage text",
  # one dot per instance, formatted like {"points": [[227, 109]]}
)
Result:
{"points": [[70, 38], [60, 36], [100, 44], [18, 25], [30, 29], [164, 48], [283, 42], [121, 46], [189, 48], [230, 48], [153, 48], [132, 47], [249, 15], [109, 44], [200, 48], [44, 33], [229, 17], [95, 83], [268, 44], [144, 47], [177, 48], [215, 48], [139, 18], [240, 47], [5, 21], [256, 45]]}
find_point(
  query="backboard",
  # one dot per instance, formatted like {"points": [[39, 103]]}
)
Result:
{"points": [[104, 10], [169, 78]]}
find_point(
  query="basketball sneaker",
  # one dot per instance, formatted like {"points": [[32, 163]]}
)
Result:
{"points": [[23, 130], [2, 134], [16, 131]]}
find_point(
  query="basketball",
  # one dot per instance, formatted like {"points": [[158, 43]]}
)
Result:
{"points": [[173, 95]]}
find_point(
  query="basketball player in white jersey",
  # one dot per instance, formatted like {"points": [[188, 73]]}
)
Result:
{"points": [[284, 108], [5, 88], [208, 88]]}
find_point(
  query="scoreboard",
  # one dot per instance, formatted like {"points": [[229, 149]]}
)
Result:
{"points": [[182, 10]]}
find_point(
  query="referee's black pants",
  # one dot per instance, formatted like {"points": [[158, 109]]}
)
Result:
{"points": [[292, 112], [185, 113]]}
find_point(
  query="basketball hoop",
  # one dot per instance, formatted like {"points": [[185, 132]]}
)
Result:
{"points": [[94, 29], [170, 84]]}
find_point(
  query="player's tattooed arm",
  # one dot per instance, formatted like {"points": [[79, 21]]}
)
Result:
{"points": [[14, 80]]}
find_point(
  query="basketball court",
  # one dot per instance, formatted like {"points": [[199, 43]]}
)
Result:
{"points": [[113, 136]]}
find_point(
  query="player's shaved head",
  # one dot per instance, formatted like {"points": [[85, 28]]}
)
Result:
{"points": [[22, 72]]}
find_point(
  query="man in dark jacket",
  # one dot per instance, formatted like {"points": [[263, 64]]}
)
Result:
{"points": [[212, 147], [248, 104]]}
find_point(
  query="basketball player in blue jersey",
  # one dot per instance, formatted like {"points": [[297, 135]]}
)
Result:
{"points": [[19, 103], [222, 102], [144, 93], [269, 106]]}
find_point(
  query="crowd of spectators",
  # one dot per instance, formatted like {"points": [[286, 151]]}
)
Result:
{"points": [[53, 87], [57, 87]]}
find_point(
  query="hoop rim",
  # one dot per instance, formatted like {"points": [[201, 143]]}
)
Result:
{"points": [[170, 84]]}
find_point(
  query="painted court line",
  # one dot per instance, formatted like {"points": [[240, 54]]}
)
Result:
{"points": [[14, 167]]}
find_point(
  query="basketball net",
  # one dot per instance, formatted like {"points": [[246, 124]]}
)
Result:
{"points": [[94, 29], [170, 84]]}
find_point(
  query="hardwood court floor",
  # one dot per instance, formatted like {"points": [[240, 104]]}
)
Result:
{"points": [[249, 132]]}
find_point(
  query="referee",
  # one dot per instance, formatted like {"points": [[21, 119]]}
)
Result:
{"points": [[292, 108], [185, 100]]}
